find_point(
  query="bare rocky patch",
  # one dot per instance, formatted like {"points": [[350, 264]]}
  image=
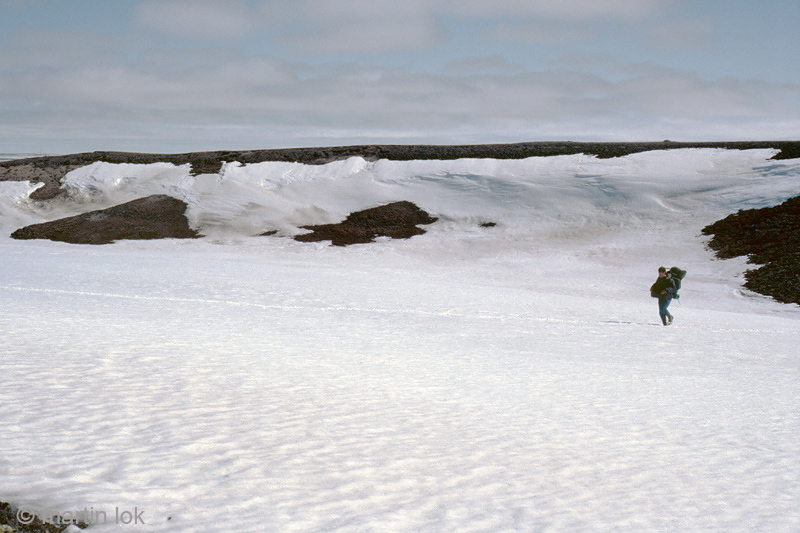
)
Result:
{"points": [[769, 237], [398, 220], [153, 217]]}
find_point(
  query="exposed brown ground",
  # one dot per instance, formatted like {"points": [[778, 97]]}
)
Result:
{"points": [[769, 237], [397, 220], [153, 217]]}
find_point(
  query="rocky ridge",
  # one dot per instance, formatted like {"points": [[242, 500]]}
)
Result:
{"points": [[769, 237]]}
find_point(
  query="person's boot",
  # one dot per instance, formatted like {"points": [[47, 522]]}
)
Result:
{"points": [[664, 320], [669, 319]]}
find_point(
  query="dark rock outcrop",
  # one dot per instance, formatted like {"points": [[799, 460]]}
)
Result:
{"points": [[154, 217], [397, 220], [770, 237]]}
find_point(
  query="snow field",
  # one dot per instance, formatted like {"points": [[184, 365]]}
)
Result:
{"points": [[513, 378]]}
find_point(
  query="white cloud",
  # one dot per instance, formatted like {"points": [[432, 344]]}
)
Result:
{"points": [[323, 26], [560, 9], [208, 19], [376, 26], [494, 64], [326, 26], [539, 31], [35, 50], [127, 88], [309, 26], [239, 84], [683, 34], [258, 102]]}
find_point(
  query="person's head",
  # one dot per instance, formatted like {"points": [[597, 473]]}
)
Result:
{"points": [[662, 272]]}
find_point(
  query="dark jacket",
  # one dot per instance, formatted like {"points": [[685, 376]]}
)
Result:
{"points": [[663, 284]]}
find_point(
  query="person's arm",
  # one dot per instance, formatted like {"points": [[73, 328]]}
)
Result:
{"points": [[670, 287]]}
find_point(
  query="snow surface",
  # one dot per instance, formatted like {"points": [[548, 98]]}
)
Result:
{"points": [[510, 378]]}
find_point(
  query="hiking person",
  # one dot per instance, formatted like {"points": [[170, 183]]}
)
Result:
{"points": [[663, 289]]}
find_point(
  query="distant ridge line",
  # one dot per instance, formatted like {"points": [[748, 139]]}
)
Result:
{"points": [[400, 152], [51, 169]]}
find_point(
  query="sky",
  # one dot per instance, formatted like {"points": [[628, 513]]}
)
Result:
{"points": [[174, 76]]}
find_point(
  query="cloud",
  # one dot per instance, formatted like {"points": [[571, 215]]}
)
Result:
{"points": [[260, 102], [684, 34], [308, 26], [331, 27], [539, 31], [263, 73], [388, 25], [345, 26], [376, 26], [562, 9], [31, 51], [234, 85], [207, 19], [494, 64]]}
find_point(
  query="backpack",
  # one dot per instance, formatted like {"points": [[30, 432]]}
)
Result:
{"points": [[677, 276]]}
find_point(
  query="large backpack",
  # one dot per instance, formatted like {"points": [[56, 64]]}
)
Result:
{"points": [[677, 276]]}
